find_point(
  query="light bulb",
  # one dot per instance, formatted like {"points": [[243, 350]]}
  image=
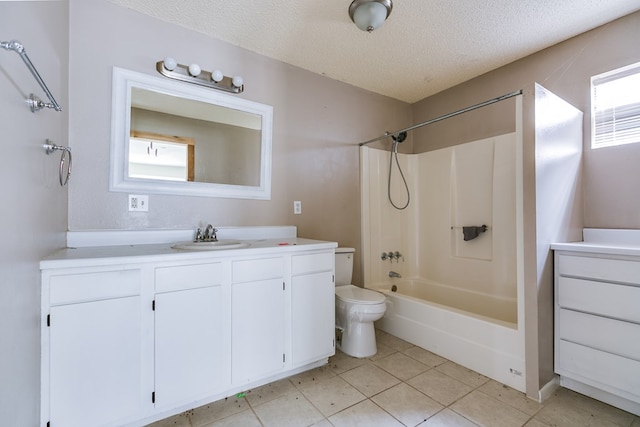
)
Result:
{"points": [[237, 81], [194, 70], [217, 76], [170, 63]]}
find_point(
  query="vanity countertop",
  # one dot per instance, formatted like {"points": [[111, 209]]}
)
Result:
{"points": [[604, 241], [127, 254]]}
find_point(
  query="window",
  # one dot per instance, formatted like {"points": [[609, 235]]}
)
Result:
{"points": [[615, 107]]}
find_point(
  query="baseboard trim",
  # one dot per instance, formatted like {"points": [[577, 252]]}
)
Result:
{"points": [[548, 389]]}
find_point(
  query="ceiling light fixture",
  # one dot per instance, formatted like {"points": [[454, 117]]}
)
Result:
{"points": [[369, 15]]}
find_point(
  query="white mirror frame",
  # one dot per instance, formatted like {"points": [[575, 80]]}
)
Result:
{"points": [[123, 81]]}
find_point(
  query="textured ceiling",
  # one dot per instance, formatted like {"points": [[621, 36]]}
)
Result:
{"points": [[425, 46]]}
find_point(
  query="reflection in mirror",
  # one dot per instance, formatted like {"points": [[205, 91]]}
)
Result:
{"points": [[157, 156], [172, 138]]}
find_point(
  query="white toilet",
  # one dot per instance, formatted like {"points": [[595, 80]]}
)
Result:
{"points": [[356, 309]]}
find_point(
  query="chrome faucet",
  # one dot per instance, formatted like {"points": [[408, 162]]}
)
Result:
{"points": [[394, 274], [209, 234]]}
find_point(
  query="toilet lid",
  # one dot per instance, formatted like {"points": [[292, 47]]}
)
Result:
{"points": [[355, 294]]}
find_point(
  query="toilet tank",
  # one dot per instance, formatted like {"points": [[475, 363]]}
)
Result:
{"points": [[344, 265]]}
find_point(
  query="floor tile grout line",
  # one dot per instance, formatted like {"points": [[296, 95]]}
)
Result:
{"points": [[326, 417]]}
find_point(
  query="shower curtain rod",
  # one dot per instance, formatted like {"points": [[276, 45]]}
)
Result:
{"points": [[446, 116]]}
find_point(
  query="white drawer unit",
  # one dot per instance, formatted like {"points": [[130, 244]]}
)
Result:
{"points": [[250, 270], [312, 263], [600, 298], [597, 326]]}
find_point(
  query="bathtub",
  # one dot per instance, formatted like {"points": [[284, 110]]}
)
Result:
{"points": [[438, 318]]}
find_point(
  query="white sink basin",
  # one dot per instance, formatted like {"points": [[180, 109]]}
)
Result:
{"points": [[211, 246]]}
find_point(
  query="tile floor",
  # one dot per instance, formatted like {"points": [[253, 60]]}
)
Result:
{"points": [[402, 385]]}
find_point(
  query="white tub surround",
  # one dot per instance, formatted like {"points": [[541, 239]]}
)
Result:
{"points": [[135, 333], [525, 187], [597, 327]]}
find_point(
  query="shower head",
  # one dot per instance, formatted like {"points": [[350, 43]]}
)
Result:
{"points": [[400, 137]]}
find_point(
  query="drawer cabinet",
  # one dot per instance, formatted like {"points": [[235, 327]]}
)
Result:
{"points": [[620, 301], [597, 327]]}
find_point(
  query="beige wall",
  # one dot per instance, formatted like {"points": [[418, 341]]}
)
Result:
{"points": [[610, 174], [33, 206], [317, 125]]}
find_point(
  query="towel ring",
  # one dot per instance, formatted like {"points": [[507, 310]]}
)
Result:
{"points": [[50, 147]]}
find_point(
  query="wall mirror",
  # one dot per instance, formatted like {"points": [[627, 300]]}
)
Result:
{"points": [[169, 137]]}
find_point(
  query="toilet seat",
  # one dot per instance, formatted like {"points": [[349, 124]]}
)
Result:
{"points": [[357, 295]]}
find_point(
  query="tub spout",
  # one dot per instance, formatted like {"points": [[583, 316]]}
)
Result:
{"points": [[394, 274]]}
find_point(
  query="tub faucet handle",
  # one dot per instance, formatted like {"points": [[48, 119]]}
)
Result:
{"points": [[384, 256]]}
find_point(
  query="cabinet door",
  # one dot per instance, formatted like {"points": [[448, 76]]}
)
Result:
{"points": [[95, 362], [312, 317], [257, 329], [191, 344]]}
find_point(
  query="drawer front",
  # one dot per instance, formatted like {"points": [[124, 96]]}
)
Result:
{"points": [[612, 336], [188, 277], [600, 369], [257, 269], [612, 270], [303, 264], [606, 299], [75, 288]]}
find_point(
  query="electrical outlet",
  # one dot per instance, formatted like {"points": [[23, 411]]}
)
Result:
{"points": [[138, 203], [297, 207]]}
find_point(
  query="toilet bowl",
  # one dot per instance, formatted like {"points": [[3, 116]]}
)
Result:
{"points": [[356, 309]]}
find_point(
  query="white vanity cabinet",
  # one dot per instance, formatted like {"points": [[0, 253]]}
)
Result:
{"points": [[312, 303], [134, 334], [597, 326], [93, 346], [258, 294], [192, 342]]}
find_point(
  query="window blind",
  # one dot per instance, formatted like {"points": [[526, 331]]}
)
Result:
{"points": [[615, 103]]}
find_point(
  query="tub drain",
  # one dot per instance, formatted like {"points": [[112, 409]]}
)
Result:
{"points": [[394, 288]]}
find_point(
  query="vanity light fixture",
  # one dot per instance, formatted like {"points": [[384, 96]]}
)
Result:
{"points": [[369, 15], [194, 74]]}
